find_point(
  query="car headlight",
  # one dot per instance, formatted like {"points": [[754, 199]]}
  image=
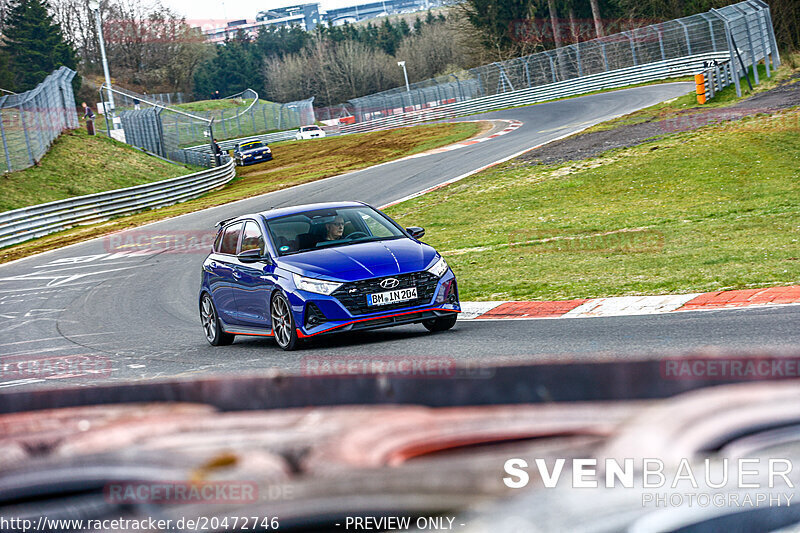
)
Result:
{"points": [[247, 155], [314, 285], [268, 151], [439, 268]]}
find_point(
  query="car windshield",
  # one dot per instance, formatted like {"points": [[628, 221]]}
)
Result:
{"points": [[322, 228], [252, 145], [312, 128]]}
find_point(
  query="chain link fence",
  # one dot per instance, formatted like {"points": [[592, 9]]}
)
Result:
{"points": [[170, 132], [30, 121], [743, 29]]}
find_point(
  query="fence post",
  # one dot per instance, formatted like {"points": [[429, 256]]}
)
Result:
{"points": [[775, 55], [686, 33], [762, 30], [753, 59], [732, 61], [3, 135], [660, 43], [710, 31], [25, 131], [605, 56], [633, 47], [552, 67], [578, 54]]}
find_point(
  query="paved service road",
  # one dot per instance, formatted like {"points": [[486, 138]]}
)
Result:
{"points": [[139, 313]]}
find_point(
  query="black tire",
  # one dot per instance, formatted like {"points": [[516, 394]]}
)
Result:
{"points": [[441, 324], [211, 324], [283, 327]]}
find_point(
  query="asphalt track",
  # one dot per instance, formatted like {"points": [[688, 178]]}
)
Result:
{"points": [[137, 315]]}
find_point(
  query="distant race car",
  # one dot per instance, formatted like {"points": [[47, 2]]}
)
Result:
{"points": [[309, 132], [251, 151], [298, 272]]}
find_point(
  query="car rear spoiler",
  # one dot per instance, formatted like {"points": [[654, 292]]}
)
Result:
{"points": [[224, 221]]}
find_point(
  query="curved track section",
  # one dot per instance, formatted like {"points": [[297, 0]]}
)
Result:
{"points": [[137, 315]]}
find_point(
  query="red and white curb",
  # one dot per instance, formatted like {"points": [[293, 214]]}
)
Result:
{"points": [[630, 305], [512, 126]]}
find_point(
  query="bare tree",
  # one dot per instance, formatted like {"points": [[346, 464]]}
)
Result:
{"points": [[598, 23]]}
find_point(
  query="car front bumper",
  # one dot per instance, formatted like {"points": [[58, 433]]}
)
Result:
{"points": [[337, 318]]}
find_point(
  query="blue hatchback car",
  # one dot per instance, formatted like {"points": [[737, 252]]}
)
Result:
{"points": [[298, 272]]}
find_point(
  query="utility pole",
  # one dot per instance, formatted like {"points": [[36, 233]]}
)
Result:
{"points": [[94, 5]]}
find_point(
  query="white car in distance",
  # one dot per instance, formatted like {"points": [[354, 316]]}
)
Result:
{"points": [[309, 132]]}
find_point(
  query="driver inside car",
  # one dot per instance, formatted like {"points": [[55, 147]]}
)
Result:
{"points": [[335, 229]]}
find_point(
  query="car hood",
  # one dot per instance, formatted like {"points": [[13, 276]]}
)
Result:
{"points": [[361, 261]]}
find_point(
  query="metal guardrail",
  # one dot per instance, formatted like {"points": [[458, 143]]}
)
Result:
{"points": [[712, 79], [266, 138], [605, 80], [36, 221]]}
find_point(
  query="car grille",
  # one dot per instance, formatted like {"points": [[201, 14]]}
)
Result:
{"points": [[353, 295]]}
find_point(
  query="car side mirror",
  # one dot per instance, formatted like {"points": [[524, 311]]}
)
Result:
{"points": [[253, 256], [416, 231]]}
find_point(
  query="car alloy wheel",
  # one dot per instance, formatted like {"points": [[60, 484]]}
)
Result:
{"points": [[211, 326], [283, 323]]}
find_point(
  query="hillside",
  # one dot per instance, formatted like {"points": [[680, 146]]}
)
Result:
{"points": [[78, 164]]}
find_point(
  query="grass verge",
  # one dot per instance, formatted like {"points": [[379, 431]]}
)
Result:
{"points": [[79, 164], [294, 163], [716, 208], [688, 102]]}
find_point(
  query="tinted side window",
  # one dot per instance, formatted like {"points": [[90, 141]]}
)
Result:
{"points": [[218, 241], [230, 239], [252, 239]]}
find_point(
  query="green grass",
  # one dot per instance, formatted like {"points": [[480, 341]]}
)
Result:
{"points": [[688, 102], [294, 163], [717, 208], [213, 105], [79, 164]]}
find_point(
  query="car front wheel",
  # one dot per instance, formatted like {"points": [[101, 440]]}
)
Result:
{"points": [[211, 324], [283, 323], [441, 324]]}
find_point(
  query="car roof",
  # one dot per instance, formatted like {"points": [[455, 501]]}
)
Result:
{"points": [[291, 210], [283, 211]]}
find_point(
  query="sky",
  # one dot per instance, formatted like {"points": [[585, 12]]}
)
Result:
{"points": [[205, 10]]}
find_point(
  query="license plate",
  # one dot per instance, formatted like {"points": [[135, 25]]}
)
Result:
{"points": [[258, 157], [391, 297]]}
